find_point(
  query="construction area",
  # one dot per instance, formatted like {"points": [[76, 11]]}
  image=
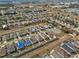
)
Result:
{"points": [[38, 31]]}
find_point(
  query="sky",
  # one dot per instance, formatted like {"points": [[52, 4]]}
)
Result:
{"points": [[17, 1]]}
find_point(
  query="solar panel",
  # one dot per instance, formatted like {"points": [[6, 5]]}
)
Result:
{"points": [[76, 44], [67, 49], [63, 53], [70, 45]]}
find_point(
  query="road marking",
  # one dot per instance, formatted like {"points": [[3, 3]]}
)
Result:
{"points": [[65, 50]]}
